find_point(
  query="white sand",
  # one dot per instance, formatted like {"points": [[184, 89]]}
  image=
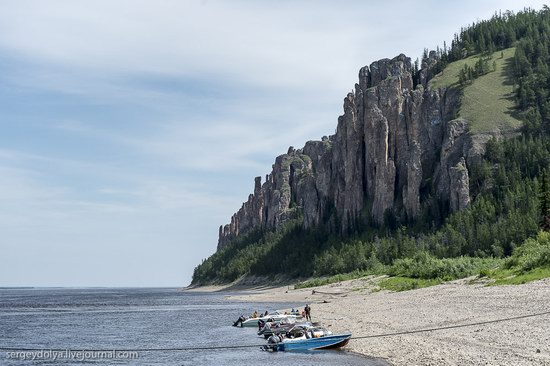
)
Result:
{"points": [[352, 306]]}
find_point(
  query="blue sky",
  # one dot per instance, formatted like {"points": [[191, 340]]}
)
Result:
{"points": [[130, 130]]}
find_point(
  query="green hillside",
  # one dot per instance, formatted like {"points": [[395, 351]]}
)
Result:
{"points": [[488, 102], [509, 185]]}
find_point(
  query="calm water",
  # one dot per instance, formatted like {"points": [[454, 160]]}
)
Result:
{"points": [[137, 319]]}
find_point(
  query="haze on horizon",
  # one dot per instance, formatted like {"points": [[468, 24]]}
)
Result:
{"points": [[132, 130]]}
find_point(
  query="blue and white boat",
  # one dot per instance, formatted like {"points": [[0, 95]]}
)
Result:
{"points": [[303, 338]]}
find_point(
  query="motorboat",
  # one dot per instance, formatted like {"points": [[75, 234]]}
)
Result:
{"points": [[303, 338], [273, 317]]}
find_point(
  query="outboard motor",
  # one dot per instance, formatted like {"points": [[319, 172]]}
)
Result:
{"points": [[239, 322], [274, 339], [272, 343]]}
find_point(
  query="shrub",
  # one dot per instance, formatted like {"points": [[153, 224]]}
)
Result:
{"points": [[425, 266], [534, 253]]}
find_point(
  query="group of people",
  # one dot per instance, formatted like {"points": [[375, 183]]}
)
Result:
{"points": [[306, 313], [256, 315]]}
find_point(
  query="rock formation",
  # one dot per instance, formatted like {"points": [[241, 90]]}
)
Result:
{"points": [[391, 141]]}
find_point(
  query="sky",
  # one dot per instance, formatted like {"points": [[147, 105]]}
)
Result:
{"points": [[131, 130]]}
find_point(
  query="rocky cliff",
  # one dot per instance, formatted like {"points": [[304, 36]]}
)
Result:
{"points": [[392, 141]]}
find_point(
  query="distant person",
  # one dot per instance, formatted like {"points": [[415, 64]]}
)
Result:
{"points": [[266, 313], [307, 310], [255, 315]]}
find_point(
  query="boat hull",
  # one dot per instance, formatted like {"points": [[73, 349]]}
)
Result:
{"points": [[327, 342], [253, 322]]}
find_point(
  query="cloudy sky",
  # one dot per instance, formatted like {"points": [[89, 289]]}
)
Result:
{"points": [[130, 130]]}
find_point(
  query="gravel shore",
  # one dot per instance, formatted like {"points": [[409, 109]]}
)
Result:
{"points": [[357, 306]]}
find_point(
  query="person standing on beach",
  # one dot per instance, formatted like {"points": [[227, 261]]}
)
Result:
{"points": [[307, 310]]}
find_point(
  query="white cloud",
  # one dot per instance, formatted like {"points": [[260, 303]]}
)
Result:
{"points": [[27, 200], [234, 42], [214, 145]]}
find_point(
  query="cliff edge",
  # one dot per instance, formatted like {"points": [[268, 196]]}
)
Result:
{"points": [[395, 144]]}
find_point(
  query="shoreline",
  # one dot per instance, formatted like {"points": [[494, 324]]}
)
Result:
{"points": [[358, 306]]}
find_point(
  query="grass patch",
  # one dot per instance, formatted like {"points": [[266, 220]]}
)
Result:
{"points": [[405, 283], [488, 102], [449, 76], [511, 278]]}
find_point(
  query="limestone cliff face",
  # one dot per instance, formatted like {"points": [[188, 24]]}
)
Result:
{"points": [[391, 141]]}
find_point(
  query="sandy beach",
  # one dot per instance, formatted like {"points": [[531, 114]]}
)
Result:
{"points": [[359, 307]]}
